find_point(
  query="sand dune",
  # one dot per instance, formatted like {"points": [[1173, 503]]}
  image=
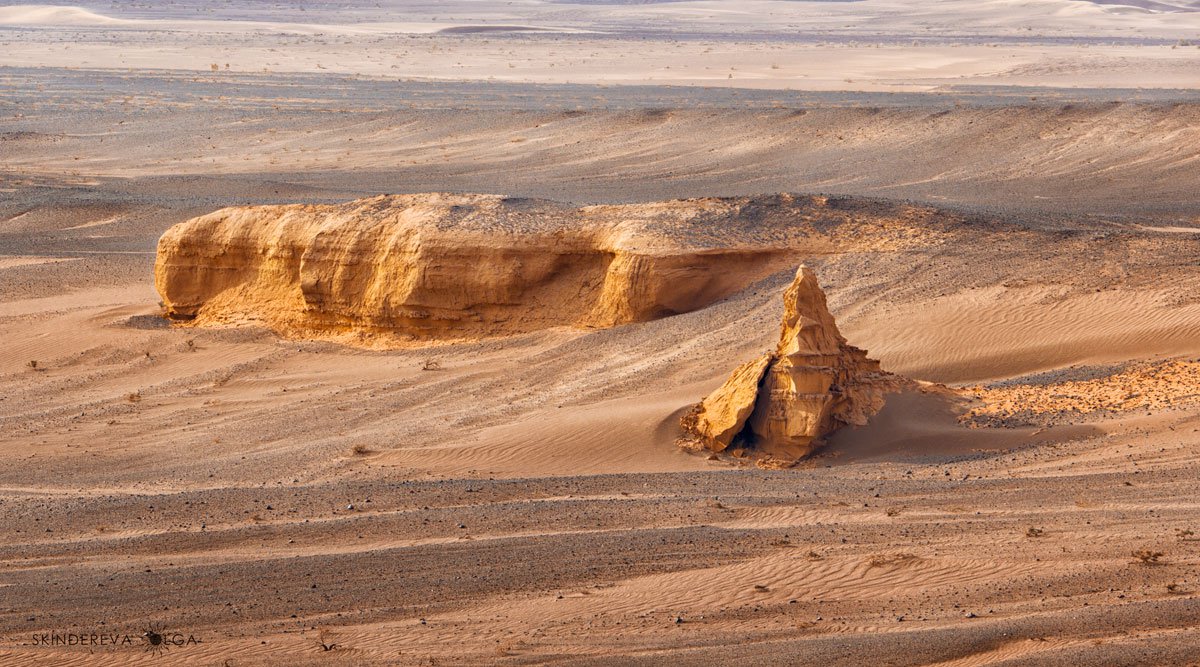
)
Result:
{"points": [[54, 15], [868, 45], [1104, 160], [881, 17], [1022, 331]]}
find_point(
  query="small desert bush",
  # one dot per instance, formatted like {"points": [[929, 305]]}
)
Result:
{"points": [[1148, 556]]}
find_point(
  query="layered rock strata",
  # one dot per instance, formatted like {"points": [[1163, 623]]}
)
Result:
{"points": [[447, 266], [438, 266], [782, 403]]}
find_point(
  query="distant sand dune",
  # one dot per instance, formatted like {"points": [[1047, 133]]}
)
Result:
{"points": [[54, 15], [1104, 160]]}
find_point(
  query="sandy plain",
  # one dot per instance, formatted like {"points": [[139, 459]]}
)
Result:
{"points": [[291, 501]]}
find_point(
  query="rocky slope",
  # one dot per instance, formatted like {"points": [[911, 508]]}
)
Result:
{"points": [[783, 402], [442, 266]]}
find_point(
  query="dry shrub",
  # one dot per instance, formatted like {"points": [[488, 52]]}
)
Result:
{"points": [[1148, 556], [324, 642]]}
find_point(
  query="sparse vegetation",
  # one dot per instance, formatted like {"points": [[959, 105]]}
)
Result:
{"points": [[325, 642], [1148, 556]]}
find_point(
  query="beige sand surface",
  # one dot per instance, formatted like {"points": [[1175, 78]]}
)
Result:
{"points": [[870, 45], [14, 262], [202, 479], [291, 501]]}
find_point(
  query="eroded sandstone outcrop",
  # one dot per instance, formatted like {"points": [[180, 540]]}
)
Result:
{"points": [[782, 403], [437, 266], [445, 266]]}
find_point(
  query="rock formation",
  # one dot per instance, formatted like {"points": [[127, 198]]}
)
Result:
{"points": [[438, 266], [782, 403], [445, 266]]}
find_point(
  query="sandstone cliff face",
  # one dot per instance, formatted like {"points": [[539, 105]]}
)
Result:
{"points": [[444, 266], [782, 403], [437, 266]]}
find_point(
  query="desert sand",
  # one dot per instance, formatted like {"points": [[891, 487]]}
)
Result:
{"points": [[999, 201]]}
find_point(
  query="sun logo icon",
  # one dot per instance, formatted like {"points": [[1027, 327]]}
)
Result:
{"points": [[155, 638]]}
